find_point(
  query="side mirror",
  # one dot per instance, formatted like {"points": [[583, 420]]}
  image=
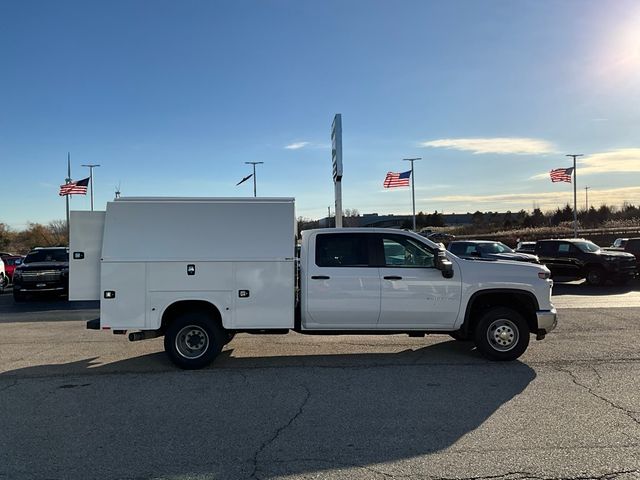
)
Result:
{"points": [[444, 264]]}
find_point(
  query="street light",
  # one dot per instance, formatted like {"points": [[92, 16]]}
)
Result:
{"points": [[254, 174], [91, 166]]}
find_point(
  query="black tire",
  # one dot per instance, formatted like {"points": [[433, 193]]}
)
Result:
{"points": [[595, 276], [458, 335], [193, 340], [18, 296], [501, 334]]}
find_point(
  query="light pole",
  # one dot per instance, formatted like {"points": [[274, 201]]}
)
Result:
{"points": [[586, 198], [575, 201], [413, 190], [254, 174], [91, 166]]}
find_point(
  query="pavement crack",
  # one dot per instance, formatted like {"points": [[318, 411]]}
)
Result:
{"points": [[278, 432], [13, 384], [574, 378]]}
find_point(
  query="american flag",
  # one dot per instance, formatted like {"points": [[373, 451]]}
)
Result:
{"points": [[397, 179], [561, 174], [74, 188]]}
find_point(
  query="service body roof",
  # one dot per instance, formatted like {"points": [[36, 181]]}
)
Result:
{"points": [[199, 229]]}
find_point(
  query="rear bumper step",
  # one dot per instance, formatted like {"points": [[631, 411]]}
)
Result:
{"points": [[93, 324]]}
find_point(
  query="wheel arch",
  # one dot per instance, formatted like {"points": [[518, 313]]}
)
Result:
{"points": [[175, 309], [524, 302]]}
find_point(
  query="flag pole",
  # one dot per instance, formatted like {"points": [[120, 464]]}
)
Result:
{"points": [[67, 180], [413, 189], [575, 201], [254, 174]]}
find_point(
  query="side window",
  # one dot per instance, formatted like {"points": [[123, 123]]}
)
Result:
{"points": [[457, 248], [546, 248], [402, 251], [566, 248], [471, 250], [342, 250]]}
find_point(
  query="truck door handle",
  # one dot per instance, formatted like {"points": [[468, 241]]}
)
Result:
{"points": [[320, 277], [393, 277]]}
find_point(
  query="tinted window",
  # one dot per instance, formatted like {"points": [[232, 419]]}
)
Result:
{"points": [[60, 255], [402, 251], [547, 248], [457, 248], [495, 247], [342, 250]]}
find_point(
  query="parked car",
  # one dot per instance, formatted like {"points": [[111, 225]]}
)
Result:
{"points": [[526, 247], [4, 280], [44, 270], [580, 258], [488, 250], [441, 237], [10, 264], [619, 243], [630, 245]]}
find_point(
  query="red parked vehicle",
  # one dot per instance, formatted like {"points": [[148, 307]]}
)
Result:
{"points": [[10, 264]]}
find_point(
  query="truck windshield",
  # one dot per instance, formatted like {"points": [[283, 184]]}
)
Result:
{"points": [[47, 256], [494, 247], [588, 247]]}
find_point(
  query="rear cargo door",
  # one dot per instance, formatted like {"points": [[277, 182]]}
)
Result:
{"points": [[85, 248]]}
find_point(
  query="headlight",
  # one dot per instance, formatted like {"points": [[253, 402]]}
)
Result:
{"points": [[544, 275]]}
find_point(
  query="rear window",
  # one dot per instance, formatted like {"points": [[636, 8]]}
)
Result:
{"points": [[60, 255], [342, 250]]}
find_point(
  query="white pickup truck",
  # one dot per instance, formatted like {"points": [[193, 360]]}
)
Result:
{"points": [[199, 270]]}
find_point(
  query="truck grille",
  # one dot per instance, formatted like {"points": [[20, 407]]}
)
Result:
{"points": [[44, 276]]}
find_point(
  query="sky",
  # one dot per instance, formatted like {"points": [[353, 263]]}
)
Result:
{"points": [[171, 98]]}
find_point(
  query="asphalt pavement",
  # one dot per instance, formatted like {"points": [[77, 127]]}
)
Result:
{"points": [[79, 404]]}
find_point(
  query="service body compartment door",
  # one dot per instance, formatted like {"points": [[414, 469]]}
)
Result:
{"points": [[123, 295], [85, 248]]}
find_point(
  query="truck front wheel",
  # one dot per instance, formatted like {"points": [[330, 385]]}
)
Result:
{"points": [[501, 334], [193, 340]]}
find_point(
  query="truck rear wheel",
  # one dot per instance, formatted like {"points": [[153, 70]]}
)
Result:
{"points": [[193, 340], [501, 334]]}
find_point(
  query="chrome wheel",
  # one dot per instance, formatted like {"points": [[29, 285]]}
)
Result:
{"points": [[503, 335], [192, 342]]}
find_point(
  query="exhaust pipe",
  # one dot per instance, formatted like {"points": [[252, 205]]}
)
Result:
{"points": [[144, 335]]}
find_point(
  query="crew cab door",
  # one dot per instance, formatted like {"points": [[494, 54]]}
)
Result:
{"points": [[414, 294], [341, 284]]}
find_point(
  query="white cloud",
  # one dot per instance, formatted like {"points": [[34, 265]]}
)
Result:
{"points": [[296, 145], [615, 161], [621, 160], [545, 200], [502, 145]]}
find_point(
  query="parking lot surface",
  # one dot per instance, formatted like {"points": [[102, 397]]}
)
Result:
{"points": [[79, 404]]}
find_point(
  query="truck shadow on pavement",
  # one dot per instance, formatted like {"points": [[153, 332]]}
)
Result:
{"points": [[258, 417]]}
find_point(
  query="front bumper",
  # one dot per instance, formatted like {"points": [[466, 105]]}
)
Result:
{"points": [[547, 321]]}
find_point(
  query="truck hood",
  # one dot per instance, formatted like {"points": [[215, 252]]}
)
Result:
{"points": [[520, 257], [35, 266], [614, 254], [499, 271]]}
